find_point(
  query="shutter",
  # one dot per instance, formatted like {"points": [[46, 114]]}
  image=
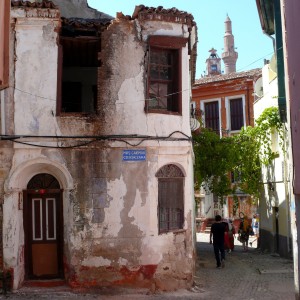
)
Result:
{"points": [[236, 114], [212, 119]]}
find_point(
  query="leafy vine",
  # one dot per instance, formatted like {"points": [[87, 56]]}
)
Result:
{"points": [[243, 154]]}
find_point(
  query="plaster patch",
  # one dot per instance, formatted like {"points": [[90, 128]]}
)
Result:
{"points": [[153, 248], [116, 190], [122, 261], [96, 262], [139, 214]]}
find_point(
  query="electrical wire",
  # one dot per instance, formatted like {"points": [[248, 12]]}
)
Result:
{"points": [[118, 138], [116, 101]]}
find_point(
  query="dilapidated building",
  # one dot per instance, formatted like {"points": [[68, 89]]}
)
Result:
{"points": [[96, 153]]}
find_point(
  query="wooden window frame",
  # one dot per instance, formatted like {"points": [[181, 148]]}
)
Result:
{"points": [[172, 45]]}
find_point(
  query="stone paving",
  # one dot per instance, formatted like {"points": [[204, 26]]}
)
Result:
{"points": [[247, 275]]}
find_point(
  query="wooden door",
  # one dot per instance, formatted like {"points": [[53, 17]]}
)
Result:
{"points": [[43, 233]]}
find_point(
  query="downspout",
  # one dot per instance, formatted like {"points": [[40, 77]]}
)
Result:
{"points": [[273, 40]]}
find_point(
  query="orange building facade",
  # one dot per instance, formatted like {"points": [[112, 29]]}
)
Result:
{"points": [[224, 102]]}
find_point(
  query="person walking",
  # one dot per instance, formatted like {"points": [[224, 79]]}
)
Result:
{"points": [[231, 233], [244, 232], [216, 238], [255, 227]]}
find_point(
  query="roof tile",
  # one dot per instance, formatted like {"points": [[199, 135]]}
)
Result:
{"points": [[234, 75]]}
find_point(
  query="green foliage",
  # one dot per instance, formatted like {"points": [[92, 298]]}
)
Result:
{"points": [[268, 123], [214, 158], [243, 154]]}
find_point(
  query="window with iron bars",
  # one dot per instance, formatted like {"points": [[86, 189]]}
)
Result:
{"points": [[170, 204]]}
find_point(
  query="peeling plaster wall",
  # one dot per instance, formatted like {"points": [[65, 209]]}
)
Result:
{"points": [[35, 76], [110, 206], [123, 86]]}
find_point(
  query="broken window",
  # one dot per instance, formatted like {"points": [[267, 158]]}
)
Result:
{"points": [[170, 199], [77, 88], [164, 74]]}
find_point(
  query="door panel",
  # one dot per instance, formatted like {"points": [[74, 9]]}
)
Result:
{"points": [[44, 260]]}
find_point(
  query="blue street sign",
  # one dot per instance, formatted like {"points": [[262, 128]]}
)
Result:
{"points": [[134, 155]]}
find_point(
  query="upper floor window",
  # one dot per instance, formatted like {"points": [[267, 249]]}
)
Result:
{"points": [[212, 115], [236, 113], [164, 74], [77, 86], [170, 198], [214, 68], [4, 42]]}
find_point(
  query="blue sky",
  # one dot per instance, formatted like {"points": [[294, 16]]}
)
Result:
{"points": [[252, 45]]}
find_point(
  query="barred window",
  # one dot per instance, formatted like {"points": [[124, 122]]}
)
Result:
{"points": [[170, 198]]}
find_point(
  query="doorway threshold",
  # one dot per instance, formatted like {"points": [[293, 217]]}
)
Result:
{"points": [[47, 283]]}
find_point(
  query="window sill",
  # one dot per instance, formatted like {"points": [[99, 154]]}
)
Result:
{"points": [[77, 114], [156, 111], [176, 231]]}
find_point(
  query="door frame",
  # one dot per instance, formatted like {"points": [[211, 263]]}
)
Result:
{"points": [[58, 194]]}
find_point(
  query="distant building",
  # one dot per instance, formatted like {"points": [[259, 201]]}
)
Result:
{"points": [[224, 102], [229, 56], [213, 63]]}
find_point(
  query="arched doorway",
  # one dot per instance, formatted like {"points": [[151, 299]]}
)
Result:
{"points": [[43, 228]]}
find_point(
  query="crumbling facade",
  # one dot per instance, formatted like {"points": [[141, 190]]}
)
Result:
{"points": [[96, 153]]}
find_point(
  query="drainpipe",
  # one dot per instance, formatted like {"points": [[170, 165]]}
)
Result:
{"points": [[273, 40]]}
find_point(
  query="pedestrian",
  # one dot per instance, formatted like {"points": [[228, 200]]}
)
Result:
{"points": [[255, 227], [216, 238], [226, 237], [244, 232], [231, 233]]}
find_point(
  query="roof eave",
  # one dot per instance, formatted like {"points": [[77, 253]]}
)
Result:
{"points": [[265, 10]]}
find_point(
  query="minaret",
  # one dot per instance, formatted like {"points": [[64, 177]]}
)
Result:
{"points": [[229, 56], [213, 63]]}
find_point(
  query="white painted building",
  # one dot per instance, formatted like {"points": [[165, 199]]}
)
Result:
{"points": [[96, 152], [274, 204]]}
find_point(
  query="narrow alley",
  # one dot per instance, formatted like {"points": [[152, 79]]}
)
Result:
{"points": [[248, 275]]}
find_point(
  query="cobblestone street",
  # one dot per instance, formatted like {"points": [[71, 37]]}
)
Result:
{"points": [[247, 275]]}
